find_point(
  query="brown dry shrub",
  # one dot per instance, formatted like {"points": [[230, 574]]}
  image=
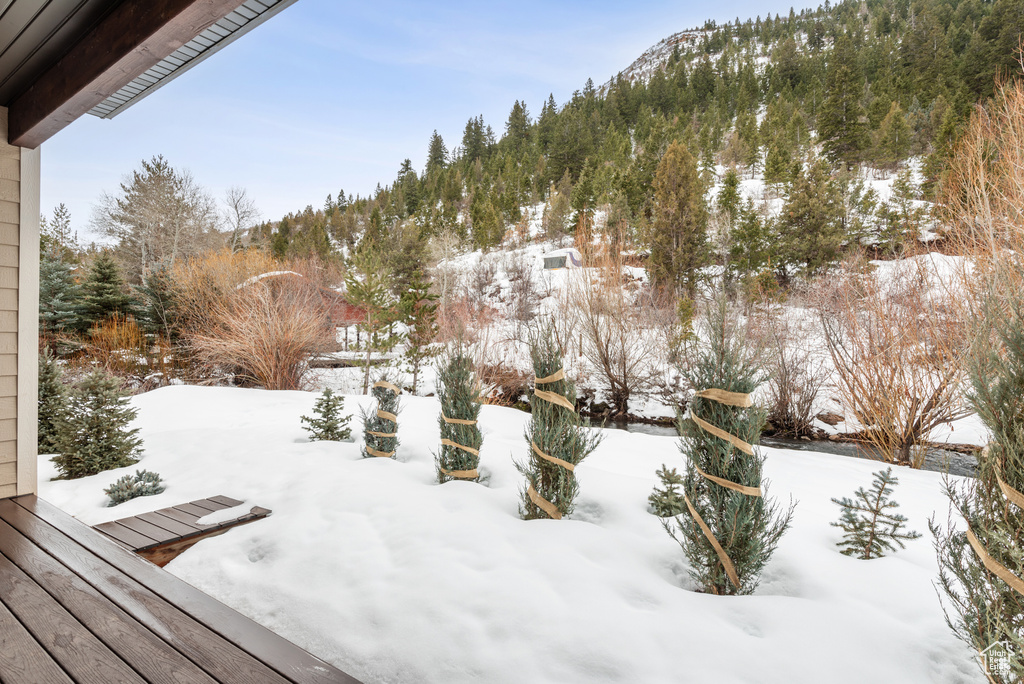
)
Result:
{"points": [[263, 330], [897, 346], [117, 344]]}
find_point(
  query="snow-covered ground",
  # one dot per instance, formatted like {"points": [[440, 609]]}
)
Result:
{"points": [[374, 567]]}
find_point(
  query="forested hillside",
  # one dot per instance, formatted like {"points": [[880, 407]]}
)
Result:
{"points": [[804, 101]]}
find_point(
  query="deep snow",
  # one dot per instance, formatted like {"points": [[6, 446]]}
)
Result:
{"points": [[374, 567]]}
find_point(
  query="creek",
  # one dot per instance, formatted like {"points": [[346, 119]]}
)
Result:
{"points": [[936, 460]]}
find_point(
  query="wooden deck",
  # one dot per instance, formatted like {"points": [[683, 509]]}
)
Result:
{"points": [[161, 535], [77, 607]]}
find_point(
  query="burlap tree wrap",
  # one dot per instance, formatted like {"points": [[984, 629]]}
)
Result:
{"points": [[729, 399]]}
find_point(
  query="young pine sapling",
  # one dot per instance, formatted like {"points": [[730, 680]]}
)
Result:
{"points": [[870, 525], [328, 424]]}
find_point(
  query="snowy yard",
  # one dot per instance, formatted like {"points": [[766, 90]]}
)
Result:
{"points": [[374, 567]]}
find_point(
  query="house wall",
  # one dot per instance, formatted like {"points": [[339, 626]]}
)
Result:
{"points": [[19, 317]]}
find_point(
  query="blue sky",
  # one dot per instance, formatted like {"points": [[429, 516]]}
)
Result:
{"points": [[331, 94]]}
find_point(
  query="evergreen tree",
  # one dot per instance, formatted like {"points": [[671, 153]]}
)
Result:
{"points": [[870, 529], [159, 314], [380, 428], [461, 438], [893, 137], [557, 441], [751, 245], [93, 433], [777, 163], [810, 230], [981, 555], [679, 240], [725, 494], [842, 126], [58, 298], [56, 241], [418, 309], [327, 423], [668, 502], [104, 292], [367, 288], [52, 398], [437, 155]]}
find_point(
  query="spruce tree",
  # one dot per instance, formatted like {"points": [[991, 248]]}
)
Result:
{"points": [[679, 245], [893, 137], [52, 399], [104, 292], [810, 227], [58, 298], [730, 527], [461, 438], [418, 307], [367, 288], [668, 501], [870, 526], [328, 424], [842, 124], [93, 433], [380, 428], [981, 552], [556, 440]]}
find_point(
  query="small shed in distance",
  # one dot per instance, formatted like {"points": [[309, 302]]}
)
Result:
{"points": [[562, 258]]}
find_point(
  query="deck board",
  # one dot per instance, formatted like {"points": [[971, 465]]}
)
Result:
{"points": [[153, 658], [75, 602], [69, 642], [22, 659]]}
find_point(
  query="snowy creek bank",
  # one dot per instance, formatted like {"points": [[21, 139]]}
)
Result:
{"points": [[937, 459], [371, 565]]}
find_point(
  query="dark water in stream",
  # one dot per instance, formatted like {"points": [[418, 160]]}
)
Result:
{"points": [[937, 460]]}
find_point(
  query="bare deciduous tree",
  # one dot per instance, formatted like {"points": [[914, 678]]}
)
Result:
{"points": [[613, 320], [241, 215], [160, 216]]}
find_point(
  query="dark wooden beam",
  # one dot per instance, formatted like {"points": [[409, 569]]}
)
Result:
{"points": [[136, 35]]}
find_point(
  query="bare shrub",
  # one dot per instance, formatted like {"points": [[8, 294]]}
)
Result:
{"points": [[523, 295], [897, 349], [615, 325], [795, 378], [261, 327]]}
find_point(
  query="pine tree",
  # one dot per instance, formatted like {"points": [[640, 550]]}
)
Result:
{"points": [[777, 164], [52, 399], [93, 433], [810, 228], [894, 137], [58, 298], [668, 502], [981, 554], [461, 438], [842, 123], [679, 240], [727, 496], [380, 428], [367, 287], [437, 155], [55, 239], [104, 292], [159, 314], [328, 424], [557, 441], [870, 529], [418, 309]]}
